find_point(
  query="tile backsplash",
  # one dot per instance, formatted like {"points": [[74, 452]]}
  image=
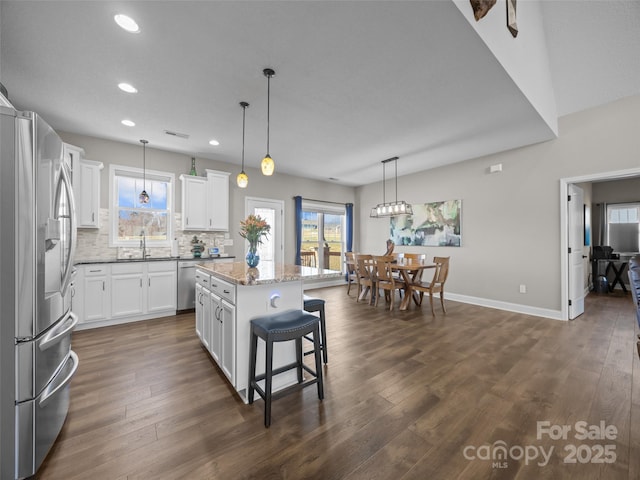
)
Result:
{"points": [[93, 244]]}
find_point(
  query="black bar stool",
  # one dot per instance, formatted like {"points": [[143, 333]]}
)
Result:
{"points": [[313, 304], [282, 327]]}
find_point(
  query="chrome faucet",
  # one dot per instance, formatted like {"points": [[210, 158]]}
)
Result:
{"points": [[143, 245]]}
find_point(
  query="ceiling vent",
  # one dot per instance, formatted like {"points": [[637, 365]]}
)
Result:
{"points": [[176, 134]]}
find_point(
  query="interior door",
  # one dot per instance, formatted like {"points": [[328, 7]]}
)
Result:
{"points": [[272, 248], [576, 245]]}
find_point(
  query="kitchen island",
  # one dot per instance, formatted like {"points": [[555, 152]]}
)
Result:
{"points": [[228, 295]]}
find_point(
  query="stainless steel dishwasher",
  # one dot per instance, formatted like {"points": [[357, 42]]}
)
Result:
{"points": [[186, 285]]}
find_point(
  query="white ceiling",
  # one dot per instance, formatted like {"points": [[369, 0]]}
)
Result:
{"points": [[356, 82]]}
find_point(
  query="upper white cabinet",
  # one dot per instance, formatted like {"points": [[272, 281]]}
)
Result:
{"points": [[218, 200], [205, 202], [194, 203], [86, 186], [88, 194]]}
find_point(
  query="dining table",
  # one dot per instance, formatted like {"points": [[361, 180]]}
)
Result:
{"points": [[409, 270]]}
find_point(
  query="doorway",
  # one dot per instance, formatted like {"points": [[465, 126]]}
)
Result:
{"points": [[565, 237], [272, 248]]}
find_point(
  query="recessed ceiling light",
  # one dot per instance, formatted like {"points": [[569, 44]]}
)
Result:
{"points": [[128, 123], [127, 23], [214, 142], [125, 87]]}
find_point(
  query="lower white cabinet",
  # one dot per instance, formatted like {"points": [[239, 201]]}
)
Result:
{"points": [[127, 289], [92, 284], [107, 294], [161, 284], [216, 321]]}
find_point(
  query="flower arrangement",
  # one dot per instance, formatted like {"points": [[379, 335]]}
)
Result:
{"points": [[253, 229]]}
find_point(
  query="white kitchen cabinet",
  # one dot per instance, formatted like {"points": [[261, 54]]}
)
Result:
{"points": [[215, 331], [205, 202], [108, 294], [87, 194], [217, 313], [72, 156], [227, 362], [206, 318], [85, 178], [127, 289], [161, 285], [218, 200], [199, 312], [92, 293], [194, 203]]}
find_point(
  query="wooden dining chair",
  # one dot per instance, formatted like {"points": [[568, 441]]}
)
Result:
{"points": [[385, 280], [436, 285], [415, 257], [350, 265], [364, 275]]}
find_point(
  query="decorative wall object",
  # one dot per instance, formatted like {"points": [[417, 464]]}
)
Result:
{"points": [[434, 224], [481, 7]]}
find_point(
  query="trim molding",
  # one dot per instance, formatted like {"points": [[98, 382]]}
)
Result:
{"points": [[509, 307], [482, 302]]}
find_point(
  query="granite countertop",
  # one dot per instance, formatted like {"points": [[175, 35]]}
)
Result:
{"points": [[148, 259], [267, 272]]}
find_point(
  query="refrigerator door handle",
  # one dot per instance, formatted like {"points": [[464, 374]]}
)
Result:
{"points": [[55, 386], [66, 279], [57, 333]]}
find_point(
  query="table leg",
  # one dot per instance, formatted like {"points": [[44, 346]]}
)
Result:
{"points": [[408, 293]]}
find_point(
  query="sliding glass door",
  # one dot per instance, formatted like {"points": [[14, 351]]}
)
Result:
{"points": [[323, 235]]}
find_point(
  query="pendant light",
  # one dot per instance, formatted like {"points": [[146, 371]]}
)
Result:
{"points": [[390, 209], [144, 197], [242, 179], [267, 164]]}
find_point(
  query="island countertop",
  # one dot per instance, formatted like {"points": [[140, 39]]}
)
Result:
{"points": [[239, 273]]}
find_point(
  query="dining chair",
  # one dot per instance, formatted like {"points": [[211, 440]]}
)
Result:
{"points": [[350, 264], [415, 257], [385, 280], [364, 275], [436, 285]]}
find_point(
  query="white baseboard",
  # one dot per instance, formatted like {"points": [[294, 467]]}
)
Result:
{"points": [[482, 302], [121, 320], [509, 307]]}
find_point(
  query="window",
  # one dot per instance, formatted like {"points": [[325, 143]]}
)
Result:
{"points": [[623, 232], [130, 219], [323, 238]]}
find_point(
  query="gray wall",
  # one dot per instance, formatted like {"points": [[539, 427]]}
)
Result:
{"points": [[279, 187], [511, 220]]}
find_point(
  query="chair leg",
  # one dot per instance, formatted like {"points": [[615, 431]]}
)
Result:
{"points": [[323, 335], [348, 286], [268, 383], [431, 303], [317, 355], [392, 293], [299, 358], [442, 301], [253, 351]]}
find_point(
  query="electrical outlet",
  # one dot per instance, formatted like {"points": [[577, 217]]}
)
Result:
{"points": [[523, 289]]}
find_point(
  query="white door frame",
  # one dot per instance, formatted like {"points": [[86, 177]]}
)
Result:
{"points": [[279, 256], [564, 226]]}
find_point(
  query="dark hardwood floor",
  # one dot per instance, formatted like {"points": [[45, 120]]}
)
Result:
{"points": [[406, 395]]}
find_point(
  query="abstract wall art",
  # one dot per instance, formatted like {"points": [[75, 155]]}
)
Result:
{"points": [[435, 224]]}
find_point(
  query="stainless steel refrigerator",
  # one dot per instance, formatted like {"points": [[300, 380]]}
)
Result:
{"points": [[37, 242]]}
